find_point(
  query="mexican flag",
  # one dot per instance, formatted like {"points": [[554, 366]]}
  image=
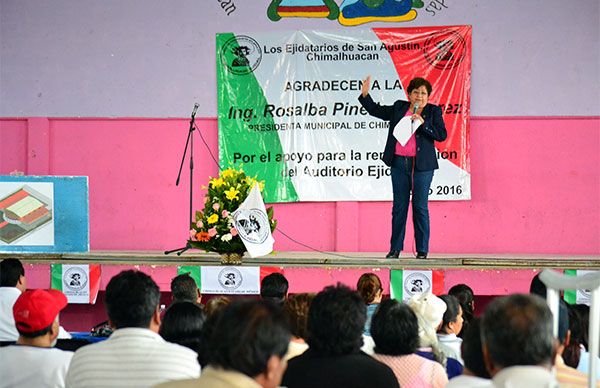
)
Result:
{"points": [[578, 296], [79, 282], [225, 280], [197, 272], [405, 283]]}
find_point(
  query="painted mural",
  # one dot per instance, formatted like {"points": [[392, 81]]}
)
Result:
{"points": [[348, 12]]}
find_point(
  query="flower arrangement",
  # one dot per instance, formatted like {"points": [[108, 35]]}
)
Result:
{"points": [[214, 230]]}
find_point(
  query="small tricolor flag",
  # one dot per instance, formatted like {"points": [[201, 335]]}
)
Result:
{"points": [[406, 283], [79, 282], [225, 280], [578, 296]]}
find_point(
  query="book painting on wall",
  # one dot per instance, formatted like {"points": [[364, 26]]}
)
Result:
{"points": [[26, 213]]}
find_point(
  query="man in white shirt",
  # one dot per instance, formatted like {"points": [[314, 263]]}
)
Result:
{"points": [[517, 342], [12, 284], [134, 355], [32, 362]]}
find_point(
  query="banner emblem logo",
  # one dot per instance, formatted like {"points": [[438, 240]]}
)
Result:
{"points": [[241, 54], [254, 225], [230, 278], [75, 279], [416, 283], [445, 50]]}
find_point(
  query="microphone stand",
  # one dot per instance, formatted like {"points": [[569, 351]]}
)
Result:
{"points": [[189, 141]]}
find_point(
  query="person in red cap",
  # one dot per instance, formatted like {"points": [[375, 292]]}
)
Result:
{"points": [[32, 361]]}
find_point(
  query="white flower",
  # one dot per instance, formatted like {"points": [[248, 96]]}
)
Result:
{"points": [[227, 237]]}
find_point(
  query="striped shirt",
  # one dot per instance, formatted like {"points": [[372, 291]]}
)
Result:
{"points": [[131, 357]]}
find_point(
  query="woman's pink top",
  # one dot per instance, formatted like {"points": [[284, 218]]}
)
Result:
{"points": [[410, 149], [414, 371]]}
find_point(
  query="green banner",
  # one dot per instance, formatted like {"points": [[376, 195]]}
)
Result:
{"points": [[240, 99]]}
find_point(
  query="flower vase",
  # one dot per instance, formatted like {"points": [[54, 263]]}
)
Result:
{"points": [[231, 258]]}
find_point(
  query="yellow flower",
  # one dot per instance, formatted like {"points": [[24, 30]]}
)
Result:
{"points": [[217, 182], [232, 194], [213, 219], [227, 173], [261, 185], [250, 181]]}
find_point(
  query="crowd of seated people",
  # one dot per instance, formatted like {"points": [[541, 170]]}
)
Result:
{"points": [[292, 340]]}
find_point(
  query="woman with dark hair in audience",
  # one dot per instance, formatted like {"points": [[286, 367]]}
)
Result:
{"points": [[475, 374], [583, 315], [370, 290], [182, 325], [466, 298], [577, 340], [452, 323], [396, 333], [296, 308]]}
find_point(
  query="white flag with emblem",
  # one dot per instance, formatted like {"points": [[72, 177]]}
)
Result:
{"points": [[252, 224]]}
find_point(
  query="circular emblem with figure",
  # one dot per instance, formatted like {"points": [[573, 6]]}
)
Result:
{"points": [[416, 283], [254, 225], [75, 279], [445, 50], [230, 277], [241, 54]]}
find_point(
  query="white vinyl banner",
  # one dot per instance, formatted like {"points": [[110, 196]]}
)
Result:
{"points": [[289, 110], [230, 280]]}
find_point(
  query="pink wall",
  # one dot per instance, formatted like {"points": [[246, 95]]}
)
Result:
{"points": [[535, 186]]}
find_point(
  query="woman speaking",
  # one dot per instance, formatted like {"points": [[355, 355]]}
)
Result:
{"points": [[413, 163]]}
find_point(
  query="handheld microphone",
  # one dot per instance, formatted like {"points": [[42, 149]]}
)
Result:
{"points": [[415, 109], [195, 109]]}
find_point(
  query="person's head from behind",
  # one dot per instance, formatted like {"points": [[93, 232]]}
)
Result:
{"points": [[369, 288], [274, 288], [537, 287], [394, 329], [12, 274], [36, 316], [452, 321], [251, 337], [471, 350], [182, 324], [429, 310], [578, 329], [184, 287], [336, 321], [466, 298], [132, 300], [296, 309], [517, 330], [216, 304]]}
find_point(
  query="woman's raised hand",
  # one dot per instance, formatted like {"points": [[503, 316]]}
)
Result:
{"points": [[366, 85]]}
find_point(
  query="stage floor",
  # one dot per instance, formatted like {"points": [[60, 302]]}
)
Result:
{"points": [[324, 259]]}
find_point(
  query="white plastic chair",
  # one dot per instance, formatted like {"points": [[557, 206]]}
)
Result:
{"points": [[556, 282]]}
